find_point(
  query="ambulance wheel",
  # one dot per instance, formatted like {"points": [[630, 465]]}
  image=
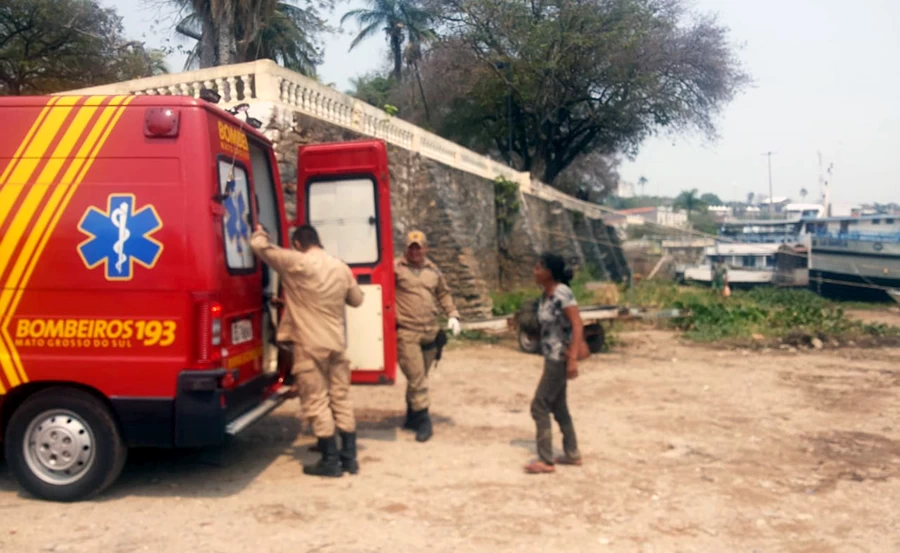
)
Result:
{"points": [[529, 343], [63, 444]]}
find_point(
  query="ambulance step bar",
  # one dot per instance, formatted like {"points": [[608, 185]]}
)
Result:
{"points": [[241, 423]]}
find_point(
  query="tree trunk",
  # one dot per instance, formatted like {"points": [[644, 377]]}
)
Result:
{"points": [[227, 45], [397, 51], [422, 93], [208, 44]]}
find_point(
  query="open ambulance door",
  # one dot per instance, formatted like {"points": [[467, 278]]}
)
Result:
{"points": [[343, 190]]}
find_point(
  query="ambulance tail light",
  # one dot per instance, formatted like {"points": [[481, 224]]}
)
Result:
{"points": [[215, 311], [209, 331]]}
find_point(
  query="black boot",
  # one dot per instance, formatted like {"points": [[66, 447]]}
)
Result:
{"points": [[423, 427], [330, 463], [348, 452], [411, 423]]}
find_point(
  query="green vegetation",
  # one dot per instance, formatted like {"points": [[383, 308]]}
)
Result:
{"points": [[507, 302], [794, 316], [52, 45]]}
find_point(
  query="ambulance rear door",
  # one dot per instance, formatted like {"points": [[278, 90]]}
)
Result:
{"points": [[343, 190], [247, 192]]}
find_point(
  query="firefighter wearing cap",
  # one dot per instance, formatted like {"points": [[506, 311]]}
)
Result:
{"points": [[421, 292], [317, 288]]}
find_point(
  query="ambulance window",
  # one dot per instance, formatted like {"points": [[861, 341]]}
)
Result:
{"points": [[236, 223], [264, 187], [344, 213]]}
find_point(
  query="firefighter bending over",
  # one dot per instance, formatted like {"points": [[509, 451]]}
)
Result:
{"points": [[420, 288], [317, 288]]}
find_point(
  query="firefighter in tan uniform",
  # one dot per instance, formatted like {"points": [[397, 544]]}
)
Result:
{"points": [[420, 290], [317, 289]]}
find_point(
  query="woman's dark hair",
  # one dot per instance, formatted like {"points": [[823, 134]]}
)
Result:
{"points": [[557, 267]]}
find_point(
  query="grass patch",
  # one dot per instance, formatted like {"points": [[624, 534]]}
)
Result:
{"points": [[507, 302], [771, 313], [474, 336]]}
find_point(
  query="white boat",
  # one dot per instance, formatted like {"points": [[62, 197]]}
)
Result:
{"points": [[747, 265], [855, 257]]}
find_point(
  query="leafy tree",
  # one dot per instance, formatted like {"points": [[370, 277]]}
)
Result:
{"points": [[711, 199], [402, 21], [704, 222], [584, 75], [593, 177], [689, 201], [235, 31], [54, 45], [618, 203], [373, 88]]}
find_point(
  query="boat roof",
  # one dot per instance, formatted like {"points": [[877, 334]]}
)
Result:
{"points": [[851, 218], [763, 222], [743, 249]]}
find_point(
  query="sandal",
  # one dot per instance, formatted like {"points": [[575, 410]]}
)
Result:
{"points": [[539, 467], [571, 461]]}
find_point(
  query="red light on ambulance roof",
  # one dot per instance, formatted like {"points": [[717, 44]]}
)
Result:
{"points": [[161, 123]]}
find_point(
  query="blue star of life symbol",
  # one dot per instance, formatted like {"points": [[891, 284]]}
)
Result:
{"points": [[236, 226], [120, 237]]}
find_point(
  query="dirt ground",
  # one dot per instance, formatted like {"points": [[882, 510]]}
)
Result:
{"points": [[688, 449]]}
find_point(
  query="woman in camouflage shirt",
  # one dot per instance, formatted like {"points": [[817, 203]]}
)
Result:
{"points": [[561, 330]]}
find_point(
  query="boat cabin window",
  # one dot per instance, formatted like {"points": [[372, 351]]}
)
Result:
{"points": [[770, 261], [749, 261]]}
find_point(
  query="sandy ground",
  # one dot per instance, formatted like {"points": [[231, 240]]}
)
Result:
{"points": [[687, 449], [881, 315]]}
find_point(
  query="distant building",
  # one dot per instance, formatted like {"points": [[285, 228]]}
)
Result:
{"points": [[660, 215], [626, 189], [866, 210], [804, 211], [778, 202], [720, 212]]}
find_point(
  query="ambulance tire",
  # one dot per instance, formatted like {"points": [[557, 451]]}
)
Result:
{"points": [[109, 450]]}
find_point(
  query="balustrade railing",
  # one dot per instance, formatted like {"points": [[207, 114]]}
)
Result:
{"points": [[266, 81]]}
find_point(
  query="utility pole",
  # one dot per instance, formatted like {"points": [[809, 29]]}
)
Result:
{"points": [[771, 199]]}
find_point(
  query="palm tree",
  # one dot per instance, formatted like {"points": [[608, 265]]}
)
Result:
{"points": [[689, 201], [803, 193], [235, 31], [642, 182], [400, 20]]}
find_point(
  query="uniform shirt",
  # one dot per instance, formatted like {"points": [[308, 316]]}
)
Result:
{"points": [[317, 288], [556, 329], [419, 292], [720, 272]]}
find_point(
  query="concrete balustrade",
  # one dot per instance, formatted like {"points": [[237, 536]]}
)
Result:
{"points": [[264, 81]]}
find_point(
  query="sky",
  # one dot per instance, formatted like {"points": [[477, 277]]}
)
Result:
{"points": [[825, 79]]}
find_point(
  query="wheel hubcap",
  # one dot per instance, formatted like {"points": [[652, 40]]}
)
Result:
{"points": [[59, 447]]}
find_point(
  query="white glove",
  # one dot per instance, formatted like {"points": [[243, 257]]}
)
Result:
{"points": [[454, 326]]}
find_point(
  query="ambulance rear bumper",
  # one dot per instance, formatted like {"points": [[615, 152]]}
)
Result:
{"points": [[202, 414]]}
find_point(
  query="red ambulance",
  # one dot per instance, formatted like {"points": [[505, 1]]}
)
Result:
{"points": [[132, 310]]}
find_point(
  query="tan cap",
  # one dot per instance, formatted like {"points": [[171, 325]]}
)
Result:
{"points": [[416, 237]]}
